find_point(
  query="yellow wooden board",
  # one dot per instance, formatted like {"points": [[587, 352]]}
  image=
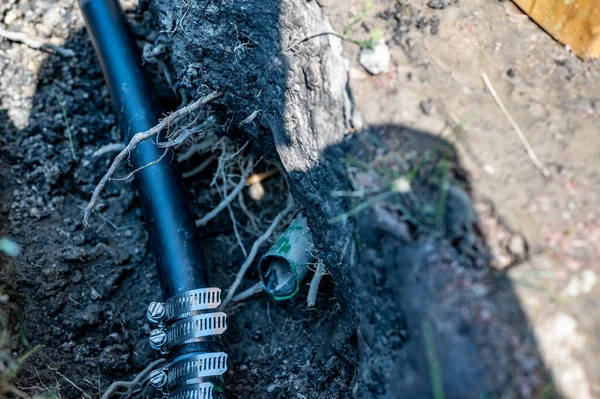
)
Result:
{"points": [[575, 23]]}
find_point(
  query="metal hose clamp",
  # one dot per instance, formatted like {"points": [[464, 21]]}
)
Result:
{"points": [[183, 319]]}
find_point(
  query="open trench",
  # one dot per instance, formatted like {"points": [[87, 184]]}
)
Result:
{"points": [[404, 273]]}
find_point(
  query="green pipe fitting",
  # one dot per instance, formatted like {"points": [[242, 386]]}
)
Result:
{"points": [[283, 268]]}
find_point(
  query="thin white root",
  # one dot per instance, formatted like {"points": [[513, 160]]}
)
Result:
{"points": [[34, 42], [135, 140], [538, 164], [130, 175], [255, 247], [64, 377], [236, 231], [113, 147], [320, 271], [200, 167], [230, 209], [242, 296], [137, 381], [200, 147], [253, 219], [183, 134], [227, 200]]}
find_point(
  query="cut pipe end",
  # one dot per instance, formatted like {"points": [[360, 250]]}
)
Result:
{"points": [[278, 277], [283, 268]]}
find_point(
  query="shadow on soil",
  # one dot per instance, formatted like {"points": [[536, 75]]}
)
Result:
{"points": [[422, 313]]}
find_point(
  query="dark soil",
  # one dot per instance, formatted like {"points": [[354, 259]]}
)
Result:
{"points": [[411, 300], [82, 292]]}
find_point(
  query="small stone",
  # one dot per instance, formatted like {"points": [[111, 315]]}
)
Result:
{"points": [[272, 388], [73, 253], [95, 295], [377, 59], [34, 212], [427, 107], [76, 277], [12, 15], [437, 4], [243, 367], [517, 247]]}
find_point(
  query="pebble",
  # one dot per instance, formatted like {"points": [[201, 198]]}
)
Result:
{"points": [[272, 388], [76, 277], [377, 59], [12, 15], [517, 247], [95, 295], [73, 253], [427, 107]]}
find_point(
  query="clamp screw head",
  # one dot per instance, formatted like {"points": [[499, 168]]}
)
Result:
{"points": [[158, 378], [158, 339], [156, 312]]}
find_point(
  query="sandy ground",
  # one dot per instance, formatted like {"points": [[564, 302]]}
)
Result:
{"points": [[434, 83]]}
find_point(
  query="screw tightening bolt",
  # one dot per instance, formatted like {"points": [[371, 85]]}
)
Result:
{"points": [[156, 312], [158, 378], [158, 339]]}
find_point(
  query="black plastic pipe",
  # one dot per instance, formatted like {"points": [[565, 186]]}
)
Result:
{"points": [[160, 187]]}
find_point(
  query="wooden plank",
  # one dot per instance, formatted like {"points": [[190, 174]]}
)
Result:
{"points": [[575, 23]]}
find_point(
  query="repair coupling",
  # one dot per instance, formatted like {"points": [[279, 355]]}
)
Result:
{"points": [[189, 318]]}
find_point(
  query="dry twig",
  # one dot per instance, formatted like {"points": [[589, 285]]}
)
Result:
{"points": [[34, 42], [137, 139], [259, 241], [538, 164]]}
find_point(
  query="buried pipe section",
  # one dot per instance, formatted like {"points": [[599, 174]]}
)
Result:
{"points": [[283, 268], [188, 323]]}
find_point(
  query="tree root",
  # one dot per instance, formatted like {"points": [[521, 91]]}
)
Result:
{"points": [[135, 141]]}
